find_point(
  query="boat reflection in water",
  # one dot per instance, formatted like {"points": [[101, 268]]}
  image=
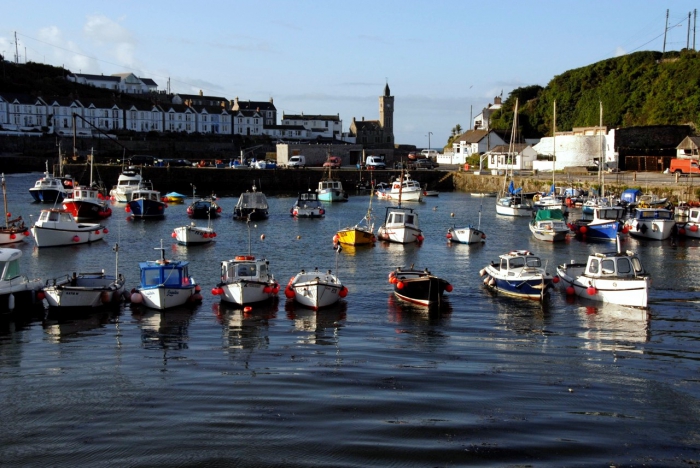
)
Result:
{"points": [[322, 325], [405, 313], [68, 324], [522, 317], [616, 328], [245, 328], [163, 330]]}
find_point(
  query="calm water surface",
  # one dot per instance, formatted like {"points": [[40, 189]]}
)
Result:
{"points": [[372, 382]]}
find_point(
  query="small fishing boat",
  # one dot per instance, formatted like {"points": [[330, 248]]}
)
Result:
{"points": [[87, 202], [193, 235], [174, 197], [651, 223], [251, 205], [57, 227], [484, 194], [514, 203], [146, 203], [86, 289], [204, 208], [14, 230], [405, 187], [129, 180], [361, 233], [430, 193], [691, 228], [468, 234], [606, 224], [519, 274], [51, 189], [614, 277], [549, 225], [246, 280], [307, 206], [314, 289], [419, 286], [330, 189], [16, 290], [400, 226], [165, 284]]}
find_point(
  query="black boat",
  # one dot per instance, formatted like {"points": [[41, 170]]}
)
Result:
{"points": [[204, 208], [419, 286], [251, 205]]}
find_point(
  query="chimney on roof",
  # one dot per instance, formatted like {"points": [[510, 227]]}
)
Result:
{"points": [[363, 118], [497, 100], [201, 93], [271, 101]]}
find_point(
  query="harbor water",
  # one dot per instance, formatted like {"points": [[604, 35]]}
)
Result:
{"points": [[487, 380]]}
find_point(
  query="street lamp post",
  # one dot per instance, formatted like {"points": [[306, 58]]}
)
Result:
{"points": [[429, 133]]}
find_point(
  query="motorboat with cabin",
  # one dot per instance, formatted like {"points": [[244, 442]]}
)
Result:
{"points": [[51, 189], [614, 277], [14, 230], [307, 206], [330, 189], [606, 224], [251, 206], [57, 227], [549, 225], [315, 289], [246, 280], [519, 273], [192, 234], [204, 208], [16, 290], [403, 187], [129, 180], [165, 284], [146, 203], [400, 226], [651, 223]]}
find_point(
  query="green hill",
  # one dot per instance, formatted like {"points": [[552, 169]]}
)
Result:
{"points": [[642, 88]]}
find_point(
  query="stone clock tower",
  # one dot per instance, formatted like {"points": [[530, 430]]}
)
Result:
{"points": [[386, 115]]}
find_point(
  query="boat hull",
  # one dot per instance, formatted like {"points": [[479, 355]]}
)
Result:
{"points": [[166, 297], [316, 290], [142, 208], [87, 210], [406, 195], [548, 235], [466, 235], [86, 290], [254, 214], [333, 196], [190, 235], [605, 231], [653, 229], [355, 236], [47, 195], [633, 292], [425, 290], [244, 292], [525, 286], [13, 235], [46, 236], [400, 235], [298, 212], [507, 209]]}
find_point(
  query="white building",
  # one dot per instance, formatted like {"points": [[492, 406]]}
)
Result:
{"points": [[21, 112], [581, 147], [213, 119], [247, 122], [123, 82], [325, 126], [179, 118], [518, 158], [143, 117], [474, 142], [483, 120]]}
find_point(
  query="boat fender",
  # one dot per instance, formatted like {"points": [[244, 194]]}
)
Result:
{"points": [[483, 236], [492, 282], [642, 227], [10, 301], [136, 298], [654, 227], [449, 287], [570, 290], [591, 291], [289, 292], [106, 297], [482, 272], [343, 292]]}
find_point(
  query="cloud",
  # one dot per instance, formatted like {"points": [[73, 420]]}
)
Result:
{"points": [[118, 40], [68, 53], [619, 51]]}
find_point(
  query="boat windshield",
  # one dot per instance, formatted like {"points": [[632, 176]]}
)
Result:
{"points": [[533, 262], [10, 270]]}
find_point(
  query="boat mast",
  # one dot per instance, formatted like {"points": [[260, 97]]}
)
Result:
{"points": [[554, 146], [92, 158], [601, 180], [116, 261], [4, 197]]}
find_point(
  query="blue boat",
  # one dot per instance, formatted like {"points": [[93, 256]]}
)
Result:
{"points": [[606, 224], [146, 203], [518, 274]]}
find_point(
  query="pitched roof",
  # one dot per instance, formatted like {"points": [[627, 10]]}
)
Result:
{"points": [[112, 78], [368, 125], [333, 118], [504, 149], [253, 105], [472, 136]]}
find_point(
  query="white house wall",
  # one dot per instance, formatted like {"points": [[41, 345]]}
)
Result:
{"points": [[575, 151]]}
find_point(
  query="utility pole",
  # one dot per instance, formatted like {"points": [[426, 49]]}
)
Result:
{"points": [[16, 49], [665, 32], [687, 41], [695, 22]]}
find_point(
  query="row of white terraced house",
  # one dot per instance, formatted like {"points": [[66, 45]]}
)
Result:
{"points": [[25, 113]]}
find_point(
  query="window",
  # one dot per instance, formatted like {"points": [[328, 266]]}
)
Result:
{"points": [[623, 266], [608, 266], [12, 270], [593, 266]]}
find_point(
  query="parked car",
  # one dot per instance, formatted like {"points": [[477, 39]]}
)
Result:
{"points": [[333, 161], [375, 162], [684, 166], [141, 160], [425, 164]]}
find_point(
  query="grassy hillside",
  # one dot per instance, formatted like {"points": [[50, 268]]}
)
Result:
{"points": [[635, 89]]}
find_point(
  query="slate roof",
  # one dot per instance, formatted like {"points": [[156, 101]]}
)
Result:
{"points": [[333, 118]]}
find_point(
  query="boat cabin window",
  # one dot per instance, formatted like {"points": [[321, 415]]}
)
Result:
{"points": [[637, 265], [397, 218], [593, 266], [664, 215], [246, 269], [694, 214], [410, 219], [150, 277], [608, 266], [263, 270], [10, 270], [517, 262], [533, 262], [623, 266], [171, 276]]}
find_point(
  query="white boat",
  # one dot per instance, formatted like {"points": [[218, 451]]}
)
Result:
{"points": [[512, 202], [549, 202], [14, 230], [51, 189], [400, 226], [419, 286], [307, 206], [404, 187], [315, 289], [691, 228], [56, 227], [193, 235], [549, 225], [331, 189], [165, 284], [519, 273], [86, 289], [129, 180], [468, 234], [16, 290], [614, 277], [484, 194], [651, 223], [246, 280]]}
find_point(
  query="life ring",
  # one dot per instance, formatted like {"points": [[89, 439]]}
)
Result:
{"points": [[244, 257], [537, 197]]}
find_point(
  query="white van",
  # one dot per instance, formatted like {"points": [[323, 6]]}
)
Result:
{"points": [[375, 162], [297, 161], [429, 153]]}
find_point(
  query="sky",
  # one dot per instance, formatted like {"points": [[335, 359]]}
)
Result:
{"points": [[444, 60]]}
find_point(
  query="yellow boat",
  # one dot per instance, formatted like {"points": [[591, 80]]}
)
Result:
{"points": [[174, 197], [360, 234]]}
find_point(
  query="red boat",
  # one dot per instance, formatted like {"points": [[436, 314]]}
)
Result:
{"points": [[87, 203]]}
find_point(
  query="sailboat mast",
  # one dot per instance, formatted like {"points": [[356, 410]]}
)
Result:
{"points": [[601, 155], [4, 197], [92, 160], [554, 146]]}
